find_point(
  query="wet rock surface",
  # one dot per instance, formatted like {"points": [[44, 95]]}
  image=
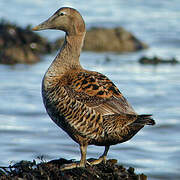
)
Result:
{"points": [[113, 40], [20, 45], [51, 171], [156, 60]]}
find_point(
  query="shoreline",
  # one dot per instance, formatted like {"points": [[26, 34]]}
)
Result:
{"points": [[27, 170]]}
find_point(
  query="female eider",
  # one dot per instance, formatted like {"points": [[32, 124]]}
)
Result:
{"points": [[85, 104]]}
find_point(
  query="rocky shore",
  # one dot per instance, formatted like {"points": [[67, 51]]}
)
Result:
{"points": [[25, 170], [112, 40], [21, 45]]}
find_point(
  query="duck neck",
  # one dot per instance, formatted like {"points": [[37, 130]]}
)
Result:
{"points": [[68, 56]]}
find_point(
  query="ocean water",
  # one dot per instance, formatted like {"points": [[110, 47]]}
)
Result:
{"points": [[27, 132]]}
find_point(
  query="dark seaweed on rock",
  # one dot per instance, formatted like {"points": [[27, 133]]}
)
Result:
{"points": [[20, 45], [27, 170], [156, 60]]}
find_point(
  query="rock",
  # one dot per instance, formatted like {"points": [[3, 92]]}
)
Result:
{"points": [[114, 40], [27, 170], [156, 60], [14, 55], [20, 45]]}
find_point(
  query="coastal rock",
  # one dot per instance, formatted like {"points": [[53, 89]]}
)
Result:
{"points": [[156, 60], [51, 170], [112, 40], [20, 45]]}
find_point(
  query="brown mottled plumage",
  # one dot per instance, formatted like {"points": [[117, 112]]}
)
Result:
{"points": [[85, 104]]}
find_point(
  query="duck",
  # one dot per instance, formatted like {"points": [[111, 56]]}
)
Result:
{"points": [[86, 104]]}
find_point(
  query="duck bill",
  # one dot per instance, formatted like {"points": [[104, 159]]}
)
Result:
{"points": [[44, 25]]}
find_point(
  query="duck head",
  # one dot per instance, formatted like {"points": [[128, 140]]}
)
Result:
{"points": [[66, 19]]}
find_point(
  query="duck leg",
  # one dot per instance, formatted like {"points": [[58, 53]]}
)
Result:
{"points": [[101, 158], [82, 163], [83, 149]]}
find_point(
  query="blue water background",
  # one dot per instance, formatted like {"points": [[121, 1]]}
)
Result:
{"points": [[26, 131]]}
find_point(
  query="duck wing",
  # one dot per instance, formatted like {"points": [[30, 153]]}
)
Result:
{"points": [[90, 101], [97, 91]]}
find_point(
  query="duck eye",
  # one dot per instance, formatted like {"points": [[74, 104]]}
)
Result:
{"points": [[61, 14]]}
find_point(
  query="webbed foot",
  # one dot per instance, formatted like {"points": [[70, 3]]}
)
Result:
{"points": [[97, 161], [71, 166]]}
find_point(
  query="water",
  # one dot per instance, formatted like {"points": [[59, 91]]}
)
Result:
{"points": [[27, 132]]}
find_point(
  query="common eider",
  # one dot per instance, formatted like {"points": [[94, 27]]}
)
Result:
{"points": [[85, 104]]}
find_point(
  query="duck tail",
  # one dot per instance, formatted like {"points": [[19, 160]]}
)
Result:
{"points": [[145, 119]]}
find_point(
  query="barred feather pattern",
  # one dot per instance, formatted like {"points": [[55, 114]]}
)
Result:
{"points": [[120, 128], [79, 113], [71, 115], [83, 123]]}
